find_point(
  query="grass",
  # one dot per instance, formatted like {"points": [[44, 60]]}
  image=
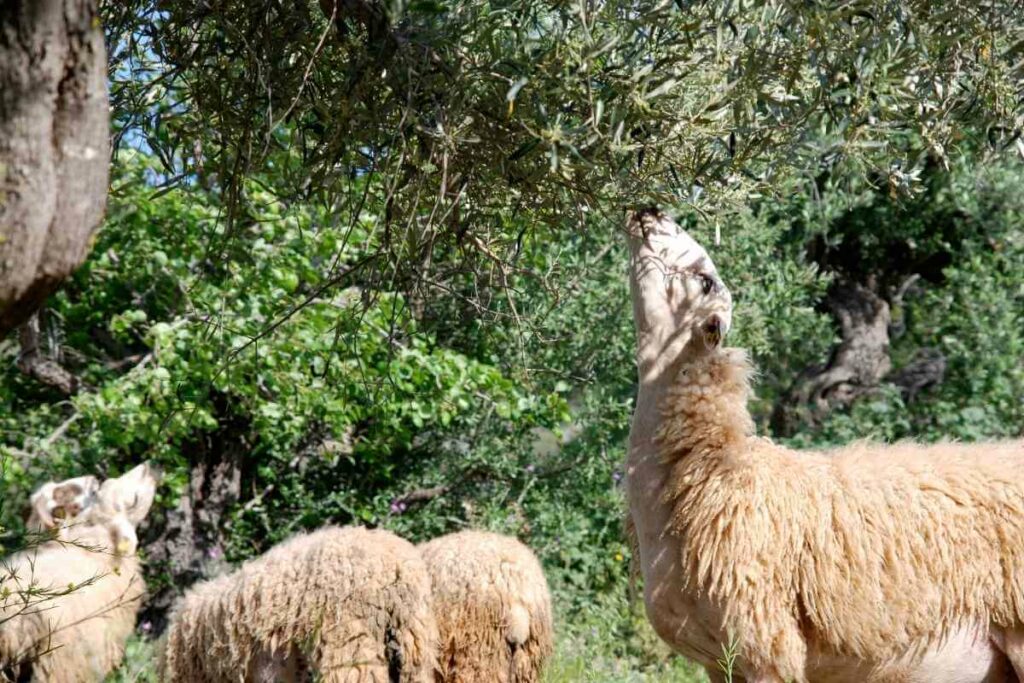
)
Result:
{"points": [[610, 641], [139, 665]]}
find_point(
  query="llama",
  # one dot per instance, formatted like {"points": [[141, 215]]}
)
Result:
{"points": [[73, 601], [869, 563]]}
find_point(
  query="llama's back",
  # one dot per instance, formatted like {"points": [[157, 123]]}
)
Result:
{"points": [[882, 548], [933, 532], [67, 634], [347, 604]]}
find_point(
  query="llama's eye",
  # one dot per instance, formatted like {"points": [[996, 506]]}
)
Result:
{"points": [[707, 283]]}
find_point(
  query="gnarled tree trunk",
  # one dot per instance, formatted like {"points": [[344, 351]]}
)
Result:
{"points": [[54, 146], [857, 365]]}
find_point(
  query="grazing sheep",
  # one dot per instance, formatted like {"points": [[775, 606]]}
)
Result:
{"points": [[493, 608], [68, 606], [345, 604], [900, 563]]}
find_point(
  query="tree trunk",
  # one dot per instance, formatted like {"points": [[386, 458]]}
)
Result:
{"points": [[54, 146], [188, 544], [857, 365]]}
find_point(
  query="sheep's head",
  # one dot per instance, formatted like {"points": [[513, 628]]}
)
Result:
{"points": [[120, 506], [93, 515], [60, 503], [680, 305]]}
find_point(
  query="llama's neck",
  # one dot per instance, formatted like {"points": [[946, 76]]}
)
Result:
{"points": [[659, 357], [704, 413], [681, 434]]}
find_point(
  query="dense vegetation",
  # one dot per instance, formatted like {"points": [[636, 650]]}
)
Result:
{"points": [[359, 407], [309, 310]]}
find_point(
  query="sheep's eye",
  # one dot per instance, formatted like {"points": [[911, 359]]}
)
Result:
{"points": [[707, 283]]}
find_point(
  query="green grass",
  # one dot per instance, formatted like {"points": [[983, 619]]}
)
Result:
{"points": [[139, 665], [610, 641]]}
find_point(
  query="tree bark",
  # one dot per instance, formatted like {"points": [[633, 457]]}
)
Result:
{"points": [[54, 146], [857, 365], [35, 363], [190, 545]]}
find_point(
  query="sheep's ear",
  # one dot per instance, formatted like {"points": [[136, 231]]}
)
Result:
{"points": [[56, 501], [39, 516], [132, 493]]}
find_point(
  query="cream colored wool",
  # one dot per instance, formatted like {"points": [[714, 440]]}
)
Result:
{"points": [[345, 604], [869, 551], [493, 608], [75, 630]]}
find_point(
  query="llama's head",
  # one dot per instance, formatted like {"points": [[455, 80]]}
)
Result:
{"points": [[681, 307], [60, 503], [120, 506]]}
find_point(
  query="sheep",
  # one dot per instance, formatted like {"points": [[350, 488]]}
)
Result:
{"points": [[493, 608], [346, 604], [866, 563], [68, 606]]}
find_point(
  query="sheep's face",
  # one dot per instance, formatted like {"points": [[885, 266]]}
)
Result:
{"points": [[58, 504], [121, 505], [678, 298]]}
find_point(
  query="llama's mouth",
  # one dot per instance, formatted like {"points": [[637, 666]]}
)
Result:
{"points": [[713, 332]]}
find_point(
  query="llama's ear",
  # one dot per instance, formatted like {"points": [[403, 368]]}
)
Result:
{"points": [[132, 493]]}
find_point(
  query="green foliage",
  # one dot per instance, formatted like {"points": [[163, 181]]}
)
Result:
{"points": [[966, 236], [257, 349], [485, 122]]}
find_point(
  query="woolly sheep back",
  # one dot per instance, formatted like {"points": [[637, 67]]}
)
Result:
{"points": [[351, 604], [493, 608]]}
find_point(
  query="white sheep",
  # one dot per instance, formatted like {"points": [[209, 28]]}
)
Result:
{"points": [[493, 608], [868, 563], [68, 605], [345, 604]]}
